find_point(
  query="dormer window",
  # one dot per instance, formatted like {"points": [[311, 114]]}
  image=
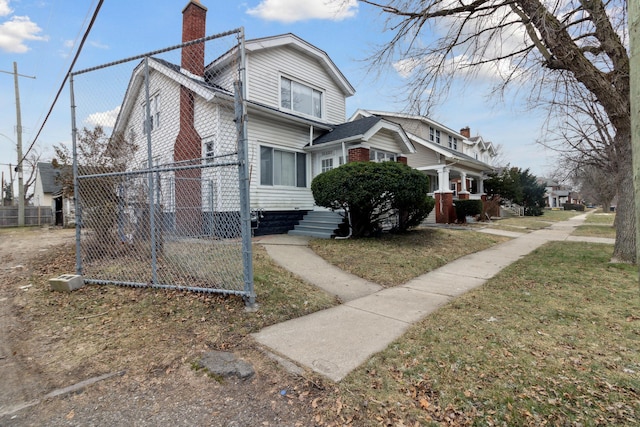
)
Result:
{"points": [[300, 98]]}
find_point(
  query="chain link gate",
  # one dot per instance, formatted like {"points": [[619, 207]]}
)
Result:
{"points": [[160, 169]]}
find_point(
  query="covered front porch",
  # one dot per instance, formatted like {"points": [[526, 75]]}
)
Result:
{"points": [[450, 183]]}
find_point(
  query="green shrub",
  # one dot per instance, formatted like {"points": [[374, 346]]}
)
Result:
{"points": [[465, 208], [573, 207], [371, 191]]}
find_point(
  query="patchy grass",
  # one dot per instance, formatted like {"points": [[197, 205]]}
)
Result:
{"points": [[601, 218], [394, 259], [525, 224], [554, 339], [595, 230], [100, 329]]}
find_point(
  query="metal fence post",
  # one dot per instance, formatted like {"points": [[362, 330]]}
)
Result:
{"points": [[243, 160], [76, 189], [152, 210]]}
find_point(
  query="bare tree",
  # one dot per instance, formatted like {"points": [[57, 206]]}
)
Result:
{"points": [[31, 166], [532, 44]]}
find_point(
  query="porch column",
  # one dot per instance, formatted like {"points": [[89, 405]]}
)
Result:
{"points": [[481, 185], [464, 193], [443, 179]]}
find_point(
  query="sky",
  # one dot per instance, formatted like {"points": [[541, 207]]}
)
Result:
{"points": [[41, 37]]}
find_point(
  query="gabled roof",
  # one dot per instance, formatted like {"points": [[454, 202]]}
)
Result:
{"points": [[453, 155], [362, 130], [421, 119], [296, 42], [48, 178], [196, 84]]}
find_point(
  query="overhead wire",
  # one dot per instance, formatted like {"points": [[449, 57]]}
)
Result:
{"points": [[65, 54], [64, 81]]}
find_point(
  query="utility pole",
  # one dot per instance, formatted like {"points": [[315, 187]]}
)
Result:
{"points": [[19, 143]]}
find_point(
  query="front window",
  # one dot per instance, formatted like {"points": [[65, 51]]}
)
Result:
{"points": [[432, 132], [381, 156], [278, 167], [300, 98], [438, 136]]}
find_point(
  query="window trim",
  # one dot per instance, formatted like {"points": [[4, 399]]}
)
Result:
{"points": [[313, 89], [388, 156], [154, 111], [300, 167]]}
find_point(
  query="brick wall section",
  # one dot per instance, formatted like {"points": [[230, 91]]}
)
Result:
{"points": [[402, 159], [188, 145], [359, 154], [445, 212], [193, 27]]}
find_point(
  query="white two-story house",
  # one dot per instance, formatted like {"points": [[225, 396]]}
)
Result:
{"points": [[296, 127]]}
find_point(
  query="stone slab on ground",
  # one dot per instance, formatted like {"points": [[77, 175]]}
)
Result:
{"points": [[226, 364]]}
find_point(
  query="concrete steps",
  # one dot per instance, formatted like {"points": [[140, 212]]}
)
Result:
{"points": [[320, 224]]}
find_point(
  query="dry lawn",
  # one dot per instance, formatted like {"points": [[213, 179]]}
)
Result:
{"points": [[551, 340], [395, 259]]}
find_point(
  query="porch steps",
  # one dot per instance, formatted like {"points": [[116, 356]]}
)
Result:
{"points": [[320, 224]]}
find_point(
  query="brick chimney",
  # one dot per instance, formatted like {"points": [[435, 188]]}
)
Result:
{"points": [[188, 146], [194, 20], [466, 132]]}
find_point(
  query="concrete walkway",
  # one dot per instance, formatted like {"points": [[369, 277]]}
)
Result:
{"points": [[335, 341]]}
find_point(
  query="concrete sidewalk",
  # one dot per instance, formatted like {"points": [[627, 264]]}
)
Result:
{"points": [[335, 341]]}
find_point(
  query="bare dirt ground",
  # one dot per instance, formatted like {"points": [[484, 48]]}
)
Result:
{"points": [[154, 384]]}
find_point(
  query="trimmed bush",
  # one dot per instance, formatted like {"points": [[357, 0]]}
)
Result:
{"points": [[465, 208], [371, 191], [573, 207]]}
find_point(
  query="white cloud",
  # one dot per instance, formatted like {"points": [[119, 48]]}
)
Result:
{"points": [[98, 45], [16, 31], [288, 11], [104, 118], [4, 8]]}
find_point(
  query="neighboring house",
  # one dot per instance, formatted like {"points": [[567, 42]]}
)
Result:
{"points": [[555, 194], [457, 165], [297, 129], [48, 192]]}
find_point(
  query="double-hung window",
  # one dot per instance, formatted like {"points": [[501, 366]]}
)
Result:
{"points": [[153, 121], [453, 142], [300, 98], [432, 132], [437, 136], [209, 151], [279, 167]]}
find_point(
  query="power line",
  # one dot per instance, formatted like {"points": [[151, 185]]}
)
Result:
{"points": [[64, 81]]}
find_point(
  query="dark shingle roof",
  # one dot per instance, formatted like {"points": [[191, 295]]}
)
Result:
{"points": [[48, 177], [349, 129]]}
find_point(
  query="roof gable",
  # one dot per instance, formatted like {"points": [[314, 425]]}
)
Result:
{"points": [[48, 177], [362, 130], [295, 42]]}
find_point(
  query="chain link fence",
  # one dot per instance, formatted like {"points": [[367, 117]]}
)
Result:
{"points": [[160, 171]]}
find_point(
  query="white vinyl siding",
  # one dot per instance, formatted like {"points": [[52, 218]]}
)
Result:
{"points": [[267, 66], [265, 131]]}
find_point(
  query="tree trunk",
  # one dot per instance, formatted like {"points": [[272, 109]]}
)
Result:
{"points": [[625, 247]]}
